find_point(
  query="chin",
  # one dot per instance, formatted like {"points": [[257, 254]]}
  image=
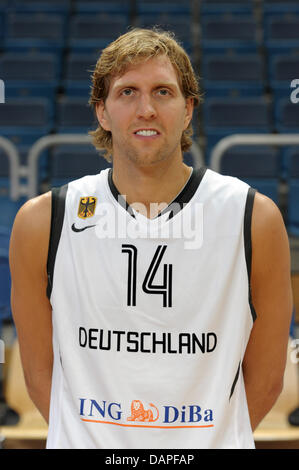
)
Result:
{"points": [[148, 159]]}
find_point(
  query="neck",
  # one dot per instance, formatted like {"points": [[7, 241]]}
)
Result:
{"points": [[148, 189]]}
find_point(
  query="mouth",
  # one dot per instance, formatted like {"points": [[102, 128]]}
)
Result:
{"points": [[147, 133]]}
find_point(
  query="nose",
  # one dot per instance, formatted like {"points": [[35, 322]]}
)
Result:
{"points": [[146, 108]]}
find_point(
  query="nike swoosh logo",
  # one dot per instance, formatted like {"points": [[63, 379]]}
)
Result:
{"points": [[75, 229]]}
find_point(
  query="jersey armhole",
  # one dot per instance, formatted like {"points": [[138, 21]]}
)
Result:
{"points": [[247, 243], [57, 217]]}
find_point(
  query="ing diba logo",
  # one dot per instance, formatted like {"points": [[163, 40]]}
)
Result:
{"points": [[169, 416]]}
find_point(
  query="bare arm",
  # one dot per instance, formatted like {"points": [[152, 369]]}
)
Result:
{"points": [[30, 306], [265, 356]]}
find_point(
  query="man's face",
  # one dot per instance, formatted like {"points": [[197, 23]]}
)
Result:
{"points": [[146, 113]]}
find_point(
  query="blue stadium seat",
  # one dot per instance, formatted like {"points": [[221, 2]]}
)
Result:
{"points": [[269, 187], [218, 7], [41, 7], [4, 165], [195, 124], [34, 32], [71, 162], [26, 115], [225, 2], [8, 207], [74, 115], [24, 120], [243, 113], [188, 159], [176, 7], [163, 2], [29, 74], [292, 160], [9, 210], [4, 5], [112, 7], [1, 29], [77, 80], [5, 283], [225, 116], [47, 6], [39, 67], [236, 33], [93, 32], [79, 66], [240, 75], [286, 116], [280, 9], [251, 162], [180, 25], [281, 35], [258, 166], [293, 207], [283, 68], [4, 237]]}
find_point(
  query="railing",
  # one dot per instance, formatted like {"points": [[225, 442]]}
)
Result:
{"points": [[65, 139], [42, 144], [31, 170], [14, 166], [249, 139]]}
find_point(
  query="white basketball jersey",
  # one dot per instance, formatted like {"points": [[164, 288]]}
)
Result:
{"points": [[151, 318]]}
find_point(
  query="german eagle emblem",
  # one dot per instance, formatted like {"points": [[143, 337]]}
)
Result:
{"points": [[87, 206]]}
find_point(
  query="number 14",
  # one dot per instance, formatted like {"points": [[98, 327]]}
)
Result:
{"points": [[148, 286]]}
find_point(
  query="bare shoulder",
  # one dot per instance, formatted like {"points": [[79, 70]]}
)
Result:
{"points": [[269, 235], [267, 220], [31, 230], [34, 216], [265, 211]]}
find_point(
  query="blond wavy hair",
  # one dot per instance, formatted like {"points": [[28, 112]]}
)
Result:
{"points": [[132, 48]]}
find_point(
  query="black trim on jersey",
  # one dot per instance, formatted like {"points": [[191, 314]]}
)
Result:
{"points": [[117, 195], [57, 216], [235, 381], [177, 204], [247, 242], [187, 192]]}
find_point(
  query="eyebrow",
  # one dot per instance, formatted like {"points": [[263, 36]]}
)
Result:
{"points": [[155, 85]]}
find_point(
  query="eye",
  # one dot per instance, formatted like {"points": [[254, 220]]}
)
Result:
{"points": [[163, 92], [127, 92]]}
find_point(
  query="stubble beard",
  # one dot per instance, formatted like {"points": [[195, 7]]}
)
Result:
{"points": [[150, 157]]}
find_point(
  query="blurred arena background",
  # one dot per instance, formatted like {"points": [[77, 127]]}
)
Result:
{"points": [[246, 54]]}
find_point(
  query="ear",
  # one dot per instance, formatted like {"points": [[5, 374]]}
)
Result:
{"points": [[102, 115], [189, 111]]}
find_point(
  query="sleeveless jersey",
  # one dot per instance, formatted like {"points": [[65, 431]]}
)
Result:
{"points": [[151, 317]]}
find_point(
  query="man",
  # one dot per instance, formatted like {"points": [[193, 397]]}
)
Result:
{"points": [[152, 334]]}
